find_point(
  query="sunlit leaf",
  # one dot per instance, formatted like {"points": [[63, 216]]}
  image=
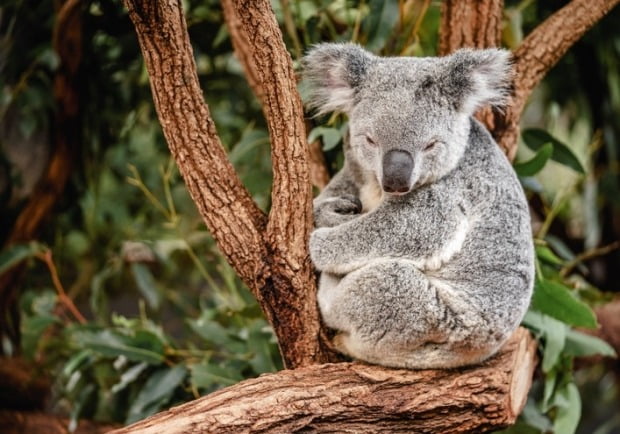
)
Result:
{"points": [[535, 139]]}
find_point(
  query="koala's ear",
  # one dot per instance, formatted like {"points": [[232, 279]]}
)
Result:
{"points": [[479, 77], [332, 74]]}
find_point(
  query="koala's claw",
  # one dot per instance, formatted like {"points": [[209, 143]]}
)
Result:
{"points": [[336, 210]]}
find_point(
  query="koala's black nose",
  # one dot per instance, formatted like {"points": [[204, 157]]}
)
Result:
{"points": [[397, 168]]}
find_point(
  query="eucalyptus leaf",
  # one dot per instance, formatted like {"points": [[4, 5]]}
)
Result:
{"points": [[557, 301], [568, 409], [580, 344], [146, 284], [536, 139], [380, 23], [144, 347], [547, 255], [210, 375], [536, 163], [555, 338], [158, 389], [129, 376]]}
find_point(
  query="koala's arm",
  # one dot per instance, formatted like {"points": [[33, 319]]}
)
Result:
{"points": [[339, 202], [425, 231]]}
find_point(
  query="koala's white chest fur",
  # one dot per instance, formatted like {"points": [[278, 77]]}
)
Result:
{"points": [[371, 194]]}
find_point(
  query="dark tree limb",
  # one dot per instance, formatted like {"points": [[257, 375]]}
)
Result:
{"points": [[67, 43], [353, 397]]}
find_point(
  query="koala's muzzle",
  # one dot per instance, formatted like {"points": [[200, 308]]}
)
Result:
{"points": [[397, 168]]}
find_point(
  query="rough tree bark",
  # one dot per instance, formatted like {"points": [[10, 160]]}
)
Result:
{"points": [[352, 397], [319, 175], [270, 253]]}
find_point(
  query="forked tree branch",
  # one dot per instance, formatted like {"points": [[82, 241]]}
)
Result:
{"points": [[270, 254], [352, 397]]}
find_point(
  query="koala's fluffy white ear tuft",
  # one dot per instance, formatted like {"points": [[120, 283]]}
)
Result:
{"points": [[480, 77], [331, 75]]}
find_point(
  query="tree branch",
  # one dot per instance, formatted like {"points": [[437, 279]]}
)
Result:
{"points": [[319, 176], [227, 208], [470, 23], [353, 397]]}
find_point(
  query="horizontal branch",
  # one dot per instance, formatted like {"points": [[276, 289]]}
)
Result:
{"points": [[353, 397]]}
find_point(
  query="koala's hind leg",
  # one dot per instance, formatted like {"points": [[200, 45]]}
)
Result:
{"points": [[390, 313]]}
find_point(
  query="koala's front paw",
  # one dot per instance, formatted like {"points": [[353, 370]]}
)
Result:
{"points": [[336, 210]]}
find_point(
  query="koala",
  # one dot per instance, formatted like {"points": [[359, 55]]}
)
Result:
{"points": [[423, 239]]}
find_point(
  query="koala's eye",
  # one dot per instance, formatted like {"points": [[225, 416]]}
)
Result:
{"points": [[431, 145], [370, 141]]}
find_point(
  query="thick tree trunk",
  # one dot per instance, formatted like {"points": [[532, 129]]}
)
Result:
{"points": [[352, 397]]}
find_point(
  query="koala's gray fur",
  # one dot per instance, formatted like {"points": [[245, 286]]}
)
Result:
{"points": [[423, 238]]}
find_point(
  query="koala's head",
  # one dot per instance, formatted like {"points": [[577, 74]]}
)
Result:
{"points": [[408, 117]]}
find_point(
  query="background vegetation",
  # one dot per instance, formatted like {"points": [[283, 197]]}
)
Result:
{"points": [[126, 303]]}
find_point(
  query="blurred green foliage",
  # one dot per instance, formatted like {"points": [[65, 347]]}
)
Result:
{"points": [[167, 319]]}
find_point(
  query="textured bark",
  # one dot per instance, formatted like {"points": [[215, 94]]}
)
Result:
{"points": [[319, 176], [466, 24], [470, 23], [352, 397], [67, 43], [270, 254]]}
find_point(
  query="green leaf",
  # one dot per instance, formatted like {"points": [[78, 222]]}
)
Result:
{"points": [[157, 390], [146, 284], [330, 136], [568, 413], [555, 338], [17, 253], [143, 347], [129, 376], [380, 23], [580, 344], [535, 139], [209, 375], [536, 164], [545, 254], [557, 301]]}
